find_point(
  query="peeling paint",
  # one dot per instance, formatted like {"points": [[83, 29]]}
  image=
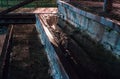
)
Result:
{"points": [[57, 71], [94, 25]]}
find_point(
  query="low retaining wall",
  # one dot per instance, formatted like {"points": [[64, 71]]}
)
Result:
{"points": [[57, 70], [100, 29]]}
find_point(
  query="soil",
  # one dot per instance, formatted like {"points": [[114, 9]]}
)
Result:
{"points": [[97, 9], [28, 59]]}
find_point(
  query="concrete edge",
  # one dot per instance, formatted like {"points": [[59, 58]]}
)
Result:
{"points": [[105, 21], [42, 30]]}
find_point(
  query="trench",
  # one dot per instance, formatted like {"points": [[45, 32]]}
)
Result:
{"points": [[80, 57], [27, 60]]}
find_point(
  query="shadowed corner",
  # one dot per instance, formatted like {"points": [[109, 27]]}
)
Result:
{"points": [[3, 29]]}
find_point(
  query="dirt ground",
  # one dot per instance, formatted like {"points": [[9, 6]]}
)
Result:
{"points": [[28, 59], [97, 8]]}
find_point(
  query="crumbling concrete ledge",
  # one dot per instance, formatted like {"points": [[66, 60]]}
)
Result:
{"points": [[101, 30], [57, 70]]}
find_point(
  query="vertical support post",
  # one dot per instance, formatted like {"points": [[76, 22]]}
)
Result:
{"points": [[107, 7], [1, 3], [7, 4]]}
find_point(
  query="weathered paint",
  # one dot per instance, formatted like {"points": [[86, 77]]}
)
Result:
{"points": [[102, 20], [100, 29], [56, 68]]}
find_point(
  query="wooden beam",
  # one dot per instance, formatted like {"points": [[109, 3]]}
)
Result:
{"points": [[16, 6]]}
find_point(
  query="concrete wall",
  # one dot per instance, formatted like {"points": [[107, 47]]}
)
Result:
{"points": [[100, 29], [57, 70]]}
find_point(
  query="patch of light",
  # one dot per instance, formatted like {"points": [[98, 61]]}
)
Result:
{"points": [[45, 10], [50, 36]]}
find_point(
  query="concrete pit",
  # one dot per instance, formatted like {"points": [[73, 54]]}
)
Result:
{"points": [[28, 58]]}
